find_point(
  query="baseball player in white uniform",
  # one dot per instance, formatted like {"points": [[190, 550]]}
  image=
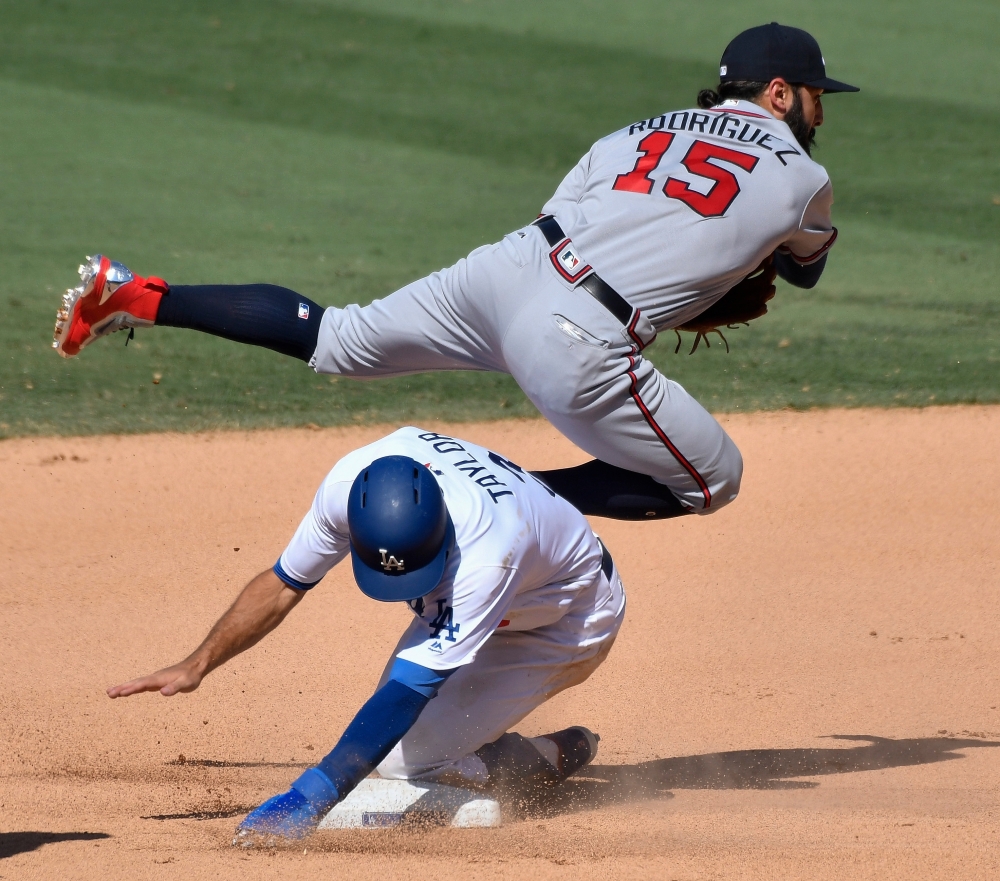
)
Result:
{"points": [[514, 599], [651, 228]]}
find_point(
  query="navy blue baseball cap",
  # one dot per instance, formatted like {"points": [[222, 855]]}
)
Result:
{"points": [[401, 532], [764, 53]]}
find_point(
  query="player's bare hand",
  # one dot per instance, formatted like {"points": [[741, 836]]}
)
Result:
{"points": [[182, 677]]}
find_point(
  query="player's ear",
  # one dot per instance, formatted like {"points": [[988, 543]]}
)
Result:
{"points": [[778, 92]]}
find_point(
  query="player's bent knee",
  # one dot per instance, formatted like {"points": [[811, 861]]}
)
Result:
{"points": [[727, 477], [394, 767], [467, 770]]}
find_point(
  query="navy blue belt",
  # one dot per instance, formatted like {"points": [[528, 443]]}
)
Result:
{"points": [[593, 284], [607, 564]]}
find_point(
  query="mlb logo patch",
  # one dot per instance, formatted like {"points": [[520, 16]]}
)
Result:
{"points": [[568, 261], [303, 311]]}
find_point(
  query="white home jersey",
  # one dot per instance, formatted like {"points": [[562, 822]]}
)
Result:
{"points": [[524, 558], [672, 211]]}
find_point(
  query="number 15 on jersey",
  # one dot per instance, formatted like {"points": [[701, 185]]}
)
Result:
{"points": [[721, 194]]}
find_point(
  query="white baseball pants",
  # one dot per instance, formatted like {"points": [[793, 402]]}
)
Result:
{"points": [[513, 673], [505, 308]]}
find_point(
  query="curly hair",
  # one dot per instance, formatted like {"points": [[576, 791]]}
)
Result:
{"points": [[735, 90]]}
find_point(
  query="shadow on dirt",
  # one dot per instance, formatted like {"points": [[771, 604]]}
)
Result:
{"points": [[216, 763], [13, 843], [223, 814], [600, 785], [770, 769]]}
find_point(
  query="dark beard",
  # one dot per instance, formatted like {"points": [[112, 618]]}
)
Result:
{"points": [[796, 121]]}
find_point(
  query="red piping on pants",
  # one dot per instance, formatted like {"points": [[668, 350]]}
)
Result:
{"points": [[633, 335], [662, 435]]}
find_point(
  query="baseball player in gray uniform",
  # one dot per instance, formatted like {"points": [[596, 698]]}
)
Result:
{"points": [[649, 231], [514, 599]]}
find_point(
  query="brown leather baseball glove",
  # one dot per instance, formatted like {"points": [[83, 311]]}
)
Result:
{"points": [[741, 304]]}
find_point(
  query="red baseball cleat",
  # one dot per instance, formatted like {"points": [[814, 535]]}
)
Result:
{"points": [[110, 298]]}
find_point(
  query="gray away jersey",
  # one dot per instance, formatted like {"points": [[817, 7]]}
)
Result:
{"points": [[676, 209]]}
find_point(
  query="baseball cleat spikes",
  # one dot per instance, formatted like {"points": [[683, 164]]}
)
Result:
{"points": [[109, 298], [64, 318]]}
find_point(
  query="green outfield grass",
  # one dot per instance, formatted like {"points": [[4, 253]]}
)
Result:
{"points": [[345, 148]]}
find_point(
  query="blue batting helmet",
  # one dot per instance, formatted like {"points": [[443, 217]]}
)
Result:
{"points": [[401, 533]]}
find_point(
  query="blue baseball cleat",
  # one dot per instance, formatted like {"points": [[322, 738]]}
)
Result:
{"points": [[287, 816], [291, 815]]}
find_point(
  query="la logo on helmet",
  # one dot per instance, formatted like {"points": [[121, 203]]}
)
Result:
{"points": [[389, 563]]}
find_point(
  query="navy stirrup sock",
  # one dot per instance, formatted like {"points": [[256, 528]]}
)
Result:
{"points": [[258, 314], [604, 490]]}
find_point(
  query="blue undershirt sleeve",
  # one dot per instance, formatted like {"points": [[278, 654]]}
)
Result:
{"points": [[379, 725], [279, 570], [797, 274]]}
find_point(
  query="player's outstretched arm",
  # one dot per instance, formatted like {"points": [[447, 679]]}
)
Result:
{"points": [[262, 606]]}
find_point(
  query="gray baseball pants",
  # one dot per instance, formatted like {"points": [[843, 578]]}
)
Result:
{"points": [[505, 308]]}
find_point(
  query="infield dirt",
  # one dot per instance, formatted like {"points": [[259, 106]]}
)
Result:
{"points": [[805, 685]]}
